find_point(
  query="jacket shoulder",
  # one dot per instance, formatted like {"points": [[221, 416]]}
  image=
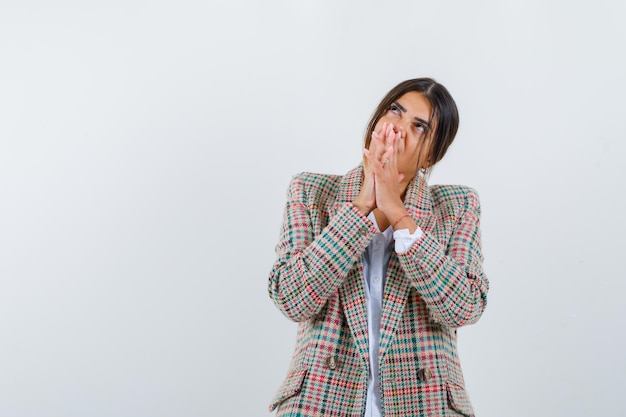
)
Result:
{"points": [[309, 187], [447, 197]]}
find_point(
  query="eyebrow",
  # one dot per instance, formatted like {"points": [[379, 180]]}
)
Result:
{"points": [[402, 109]]}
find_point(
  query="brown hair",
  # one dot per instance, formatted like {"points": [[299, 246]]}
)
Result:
{"points": [[444, 115]]}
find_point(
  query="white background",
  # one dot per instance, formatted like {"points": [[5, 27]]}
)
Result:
{"points": [[145, 150]]}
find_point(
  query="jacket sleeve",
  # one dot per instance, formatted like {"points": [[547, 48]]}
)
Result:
{"points": [[450, 279], [313, 262]]}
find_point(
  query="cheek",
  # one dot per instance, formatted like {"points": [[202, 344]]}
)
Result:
{"points": [[407, 161], [414, 155], [379, 124], [412, 147]]}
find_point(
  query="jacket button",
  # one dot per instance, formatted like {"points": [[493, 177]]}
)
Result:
{"points": [[419, 254], [332, 362], [424, 374]]}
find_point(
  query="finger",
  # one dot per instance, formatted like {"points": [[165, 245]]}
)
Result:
{"points": [[388, 128], [390, 134], [400, 143], [390, 146], [390, 141], [368, 170], [377, 132], [393, 158], [379, 146], [371, 159], [383, 128], [380, 131], [388, 157], [376, 161]]}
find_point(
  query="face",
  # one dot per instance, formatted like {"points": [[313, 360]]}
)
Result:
{"points": [[410, 115]]}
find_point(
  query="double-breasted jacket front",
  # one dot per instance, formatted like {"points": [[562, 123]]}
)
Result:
{"points": [[430, 290]]}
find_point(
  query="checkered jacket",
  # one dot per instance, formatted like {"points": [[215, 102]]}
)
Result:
{"points": [[435, 287]]}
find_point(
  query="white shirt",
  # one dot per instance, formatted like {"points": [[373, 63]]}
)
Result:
{"points": [[377, 257]]}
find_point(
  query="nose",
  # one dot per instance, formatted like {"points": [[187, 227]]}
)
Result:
{"points": [[401, 128]]}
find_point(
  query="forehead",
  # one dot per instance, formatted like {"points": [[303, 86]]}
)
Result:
{"points": [[416, 105]]}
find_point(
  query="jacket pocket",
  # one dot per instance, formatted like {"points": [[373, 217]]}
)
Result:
{"points": [[291, 386], [458, 400]]}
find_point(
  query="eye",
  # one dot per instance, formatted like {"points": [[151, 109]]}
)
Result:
{"points": [[420, 127], [394, 109]]}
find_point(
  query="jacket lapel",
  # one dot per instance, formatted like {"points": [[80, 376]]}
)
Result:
{"points": [[419, 204], [352, 292], [348, 189]]}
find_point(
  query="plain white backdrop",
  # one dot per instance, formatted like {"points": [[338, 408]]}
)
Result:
{"points": [[145, 150]]}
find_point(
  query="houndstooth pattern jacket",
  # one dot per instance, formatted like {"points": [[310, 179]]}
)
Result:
{"points": [[435, 287]]}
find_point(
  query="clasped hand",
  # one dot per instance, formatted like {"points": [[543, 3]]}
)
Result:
{"points": [[382, 183]]}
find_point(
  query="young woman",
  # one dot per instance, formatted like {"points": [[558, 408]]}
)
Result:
{"points": [[379, 269]]}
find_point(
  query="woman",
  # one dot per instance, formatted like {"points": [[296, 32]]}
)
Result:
{"points": [[379, 269]]}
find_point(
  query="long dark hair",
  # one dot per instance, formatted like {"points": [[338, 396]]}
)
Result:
{"points": [[444, 114]]}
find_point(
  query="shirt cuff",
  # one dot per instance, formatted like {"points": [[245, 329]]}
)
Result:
{"points": [[405, 240]]}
